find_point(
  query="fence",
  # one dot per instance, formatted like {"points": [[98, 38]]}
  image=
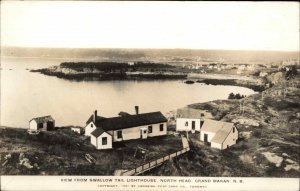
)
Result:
{"points": [[149, 165]]}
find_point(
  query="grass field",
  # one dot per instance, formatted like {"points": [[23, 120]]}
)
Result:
{"points": [[268, 145], [62, 152]]}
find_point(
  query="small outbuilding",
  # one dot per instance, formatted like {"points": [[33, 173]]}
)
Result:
{"points": [[78, 130], [44, 123], [218, 134]]}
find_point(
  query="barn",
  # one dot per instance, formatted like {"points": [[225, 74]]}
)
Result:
{"points": [[189, 119], [44, 123], [218, 134], [123, 128]]}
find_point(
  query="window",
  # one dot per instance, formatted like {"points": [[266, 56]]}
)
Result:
{"points": [[104, 140], [92, 125], [40, 125], [119, 135], [186, 123], [233, 130], [150, 129], [161, 127]]}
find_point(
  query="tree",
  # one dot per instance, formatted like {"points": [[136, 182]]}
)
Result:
{"points": [[238, 96], [231, 96], [291, 72]]}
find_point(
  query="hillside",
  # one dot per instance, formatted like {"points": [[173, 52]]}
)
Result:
{"points": [[62, 152], [269, 137]]}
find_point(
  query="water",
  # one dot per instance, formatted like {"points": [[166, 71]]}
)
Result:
{"points": [[25, 95]]}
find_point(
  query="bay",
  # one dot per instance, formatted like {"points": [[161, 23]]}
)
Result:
{"points": [[25, 95]]}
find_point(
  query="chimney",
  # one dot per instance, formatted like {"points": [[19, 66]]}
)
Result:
{"points": [[136, 109], [95, 116], [201, 119]]}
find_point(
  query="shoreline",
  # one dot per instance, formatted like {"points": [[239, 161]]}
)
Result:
{"points": [[260, 132], [255, 84], [268, 129]]}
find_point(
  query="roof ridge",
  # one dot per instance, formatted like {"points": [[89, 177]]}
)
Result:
{"points": [[134, 115], [42, 116]]}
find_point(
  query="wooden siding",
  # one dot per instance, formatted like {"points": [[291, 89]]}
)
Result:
{"points": [[134, 132], [230, 139], [209, 136], [33, 125], [97, 142], [180, 124], [89, 129]]}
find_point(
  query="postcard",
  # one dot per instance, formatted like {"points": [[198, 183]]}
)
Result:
{"points": [[113, 95]]}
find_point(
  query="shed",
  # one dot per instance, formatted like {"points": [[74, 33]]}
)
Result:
{"points": [[78, 130], [44, 123], [219, 134]]}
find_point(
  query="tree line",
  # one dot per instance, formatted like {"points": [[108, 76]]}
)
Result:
{"points": [[236, 96], [115, 66]]}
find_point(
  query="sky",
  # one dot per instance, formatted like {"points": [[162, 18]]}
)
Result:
{"points": [[189, 25]]}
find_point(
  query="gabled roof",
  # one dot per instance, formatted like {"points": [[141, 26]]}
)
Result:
{"points": [[98, 119], [222, 134], [124, 122], [43, 119], [97, 132], [222, 129]]}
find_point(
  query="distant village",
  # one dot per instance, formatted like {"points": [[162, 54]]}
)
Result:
{"points": [[239, 68]]}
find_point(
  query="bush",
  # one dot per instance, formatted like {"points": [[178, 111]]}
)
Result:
{"points": [[265, 143], [257, 133], [235, 96]]}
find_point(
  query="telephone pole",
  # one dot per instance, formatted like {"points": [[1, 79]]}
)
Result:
{"points": [[242, 104]]}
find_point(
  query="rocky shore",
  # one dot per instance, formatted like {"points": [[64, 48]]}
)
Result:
{"points": [[81, 72], [99, 71], [269, 137], [268, 144]]}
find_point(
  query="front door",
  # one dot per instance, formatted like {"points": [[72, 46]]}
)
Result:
{"points": [[144, 133], [205, 138], [193, 125], [50, 125]]}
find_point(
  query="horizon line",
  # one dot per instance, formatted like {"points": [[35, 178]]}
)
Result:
{"points": [[136, 48]]}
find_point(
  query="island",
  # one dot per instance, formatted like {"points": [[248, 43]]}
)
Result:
{"points": [[99, 71], [214, 74]]}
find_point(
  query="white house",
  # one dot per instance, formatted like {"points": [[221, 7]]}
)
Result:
{"points": [[78, 130], [41, 124], [188, 119], [91, 123], [101, 139], [105, 131], [218, 134]]}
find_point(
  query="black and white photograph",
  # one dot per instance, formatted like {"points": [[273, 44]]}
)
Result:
{"points": [[128, 95]]}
